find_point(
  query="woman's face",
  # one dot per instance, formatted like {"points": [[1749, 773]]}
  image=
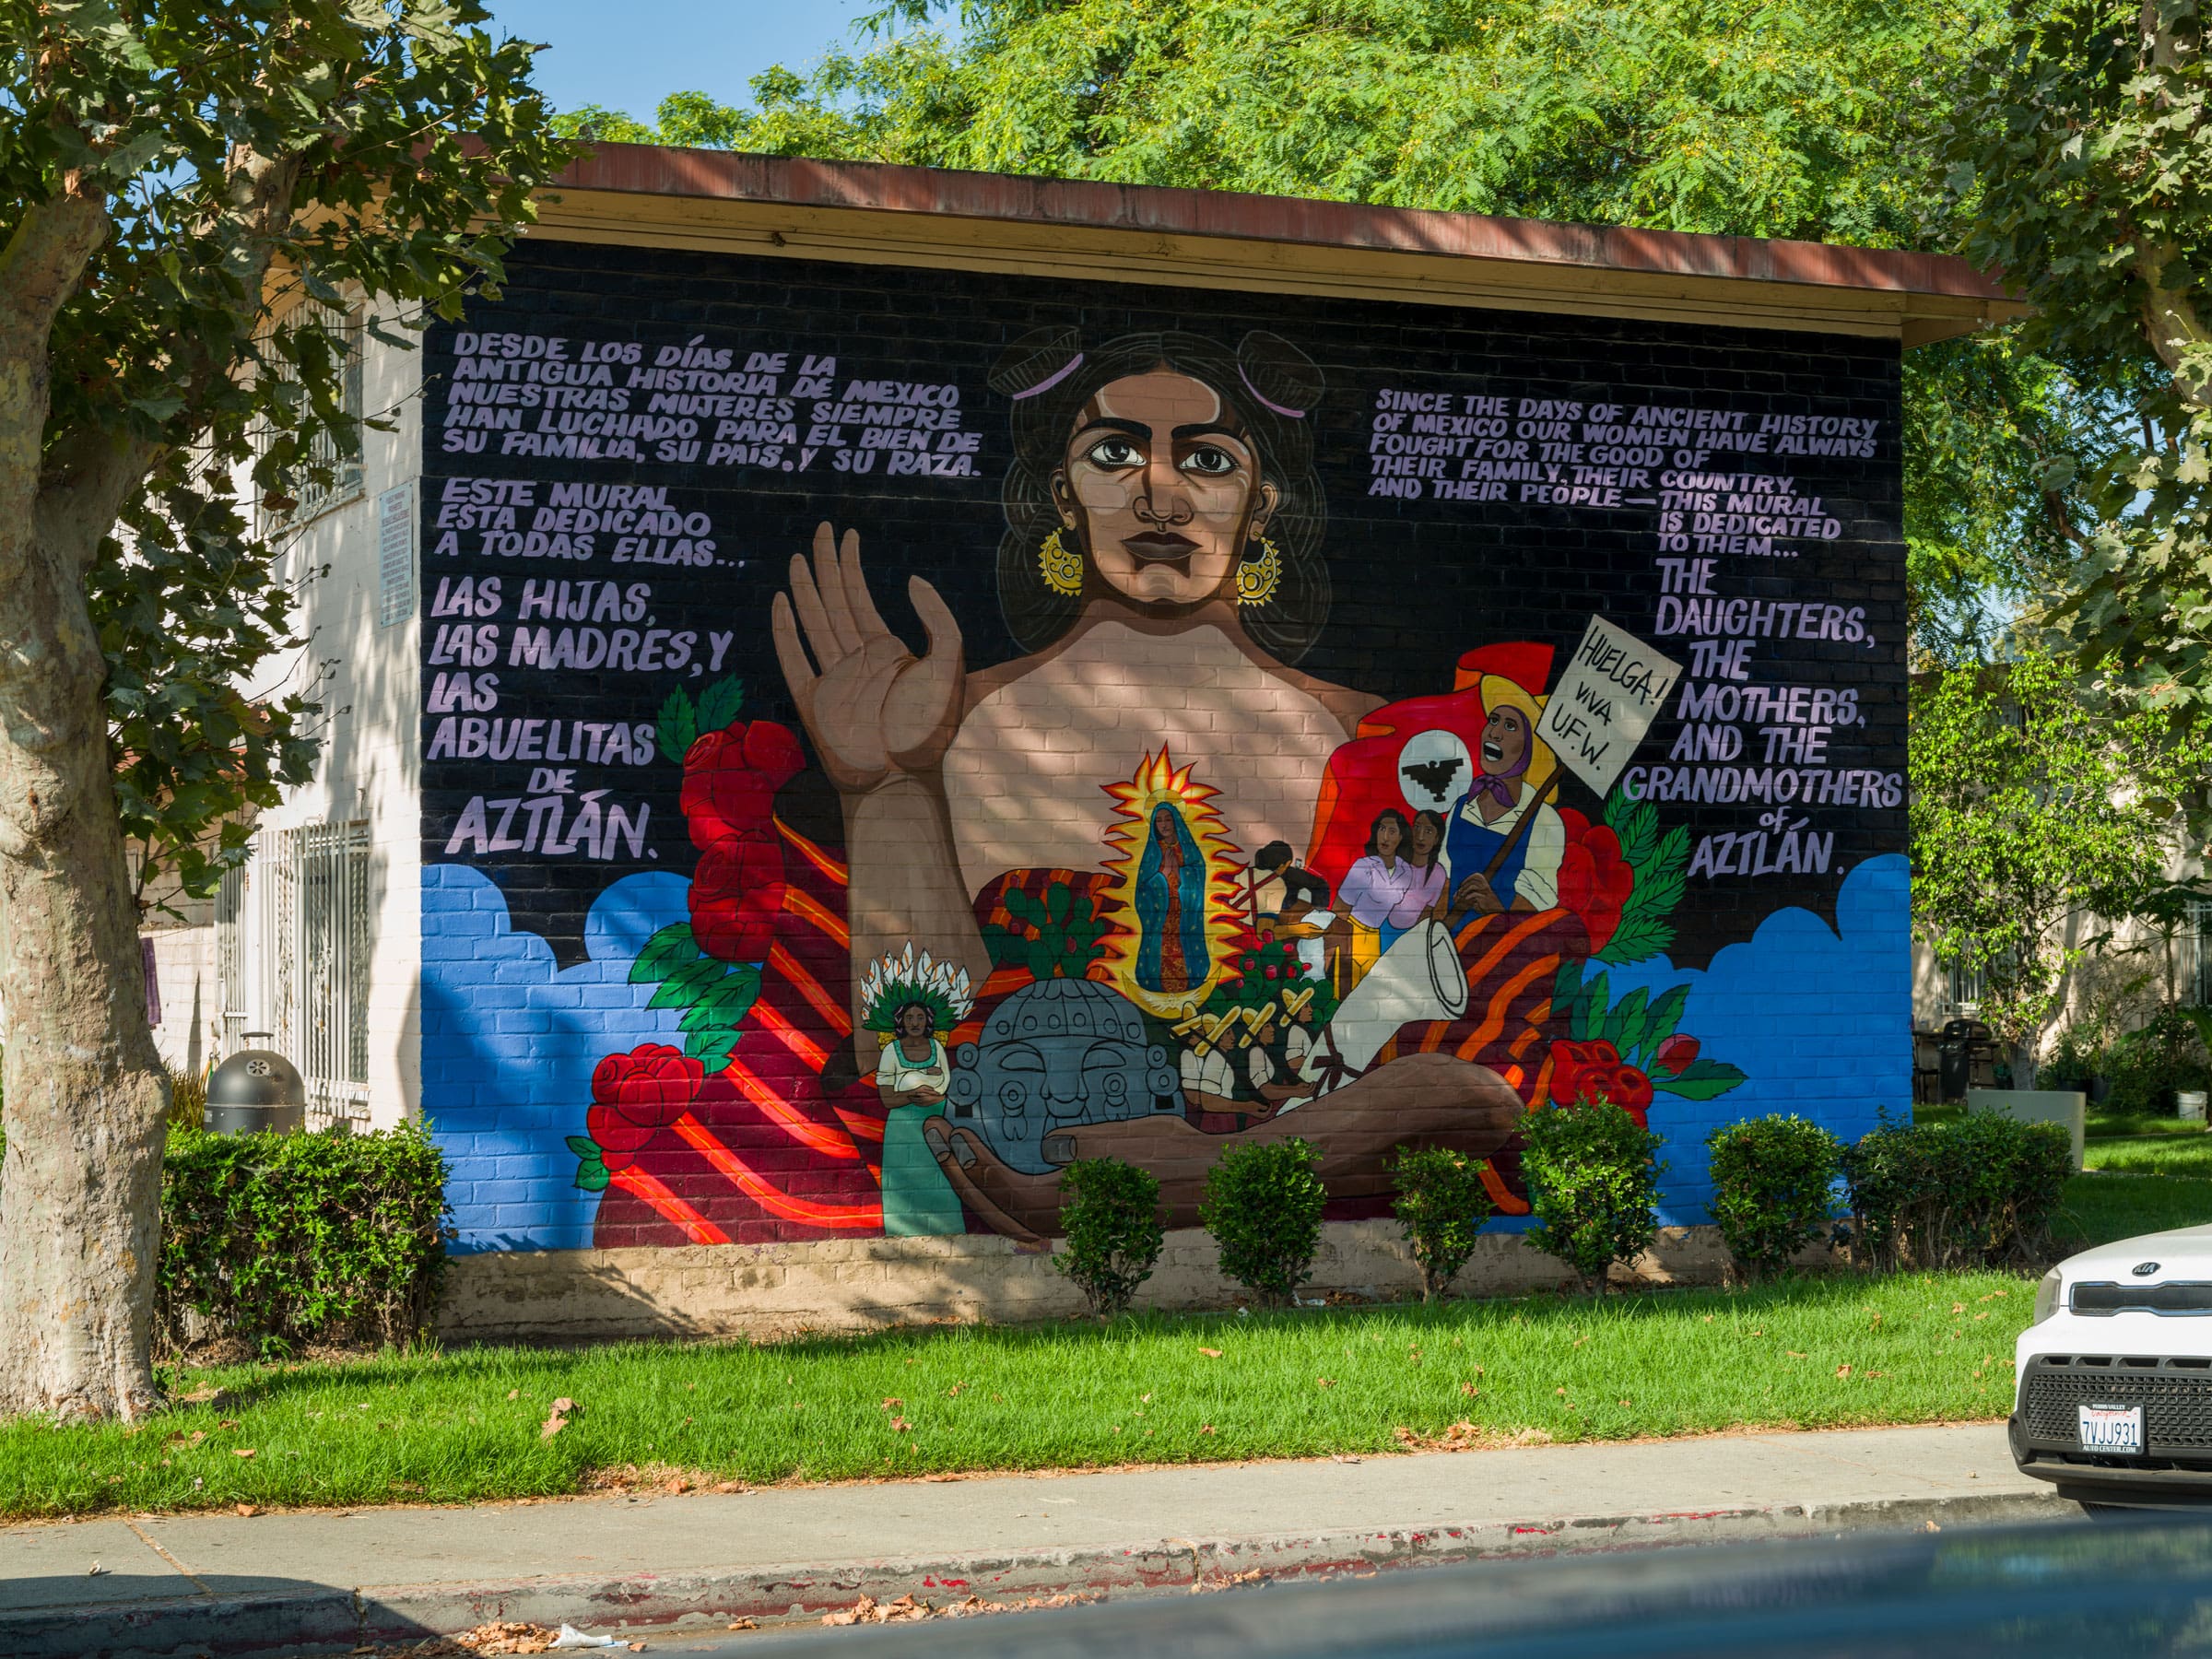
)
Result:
{"points": [[1504, 741], [1163, 486], [1387, 838], [1424, 838], [912, 1022]]}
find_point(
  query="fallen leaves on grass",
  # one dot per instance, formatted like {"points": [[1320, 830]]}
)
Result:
{"points": [[1466, 1436], [1469, 1390], [1211, 1353], [665, 1480], [1325, 1381], [247, 1511], [242, 1452], [1842, 1371], [558, 1419]]}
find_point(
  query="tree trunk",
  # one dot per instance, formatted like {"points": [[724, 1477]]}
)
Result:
{"points": [[86, 1095], [84, 1091]]}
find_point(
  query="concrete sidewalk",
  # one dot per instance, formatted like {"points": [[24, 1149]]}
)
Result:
{"points": [[226, 1584]]}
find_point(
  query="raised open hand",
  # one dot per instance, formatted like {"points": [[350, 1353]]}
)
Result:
{"points": [[875, 710]]}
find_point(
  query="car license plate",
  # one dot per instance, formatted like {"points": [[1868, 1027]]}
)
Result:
{"points": [[2112, 1428]]}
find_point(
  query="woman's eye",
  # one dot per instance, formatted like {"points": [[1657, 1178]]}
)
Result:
{"points": [[1115, 453], [1210, 460]]}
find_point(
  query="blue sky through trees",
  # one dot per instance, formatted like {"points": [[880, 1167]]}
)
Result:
{"points": [[629, 55]]}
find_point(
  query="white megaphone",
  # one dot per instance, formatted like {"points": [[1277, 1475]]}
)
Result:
{"points": [[1418, 978]]}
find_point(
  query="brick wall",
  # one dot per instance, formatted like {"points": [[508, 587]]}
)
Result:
{"points": [[1189, 573]]}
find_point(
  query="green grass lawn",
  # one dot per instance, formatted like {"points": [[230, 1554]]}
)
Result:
{"points": [[1822, 1352], [2100, 1207]]}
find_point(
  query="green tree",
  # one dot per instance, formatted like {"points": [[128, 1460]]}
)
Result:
{"points": [[2031, 807], [1777, 118], [174, 177], [2079, 146]]}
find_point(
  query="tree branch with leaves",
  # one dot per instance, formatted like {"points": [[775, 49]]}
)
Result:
{"points": [[174, 178]]}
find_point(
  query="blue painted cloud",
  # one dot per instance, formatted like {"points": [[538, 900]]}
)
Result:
{"points": [[1818, 1018], [509, 1042]]}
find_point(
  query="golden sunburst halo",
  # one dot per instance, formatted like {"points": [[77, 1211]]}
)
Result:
{"points": [[1159, 781]]}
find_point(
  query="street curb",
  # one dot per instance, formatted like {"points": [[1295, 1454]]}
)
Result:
{"points": [[230, 1627]]}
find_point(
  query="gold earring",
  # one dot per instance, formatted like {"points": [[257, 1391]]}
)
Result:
{"points": [[1063, 567], [1257, 579]]}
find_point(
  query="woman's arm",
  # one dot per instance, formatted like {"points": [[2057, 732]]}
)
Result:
{"points": [[1538, 888], [881, 718]]}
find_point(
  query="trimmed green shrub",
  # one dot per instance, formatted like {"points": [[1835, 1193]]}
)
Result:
{"points": [[1262, 1207], [1592, 1183], [1110, 1211], [1977, 1191], [1772, 1188], [1442, 1205], [2147, 1068], [282, 1240]]}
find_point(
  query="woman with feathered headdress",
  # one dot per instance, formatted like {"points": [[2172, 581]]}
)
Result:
{"points": [[912, 1005]]}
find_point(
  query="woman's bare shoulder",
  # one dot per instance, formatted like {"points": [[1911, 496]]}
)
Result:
{"points": [[1346, 706]]}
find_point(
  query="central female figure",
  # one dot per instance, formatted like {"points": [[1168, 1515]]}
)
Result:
{"points": [[1161, 563], [1161, 569]]}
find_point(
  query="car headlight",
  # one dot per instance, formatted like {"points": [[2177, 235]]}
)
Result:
{"points": [[2047, 1297]]}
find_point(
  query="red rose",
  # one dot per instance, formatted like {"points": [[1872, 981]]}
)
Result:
{"points": [[1594, 884], [1273, 973], [1594, 1070], [730, 782], [1675, 1054], [735, 897], [635, 1095]]}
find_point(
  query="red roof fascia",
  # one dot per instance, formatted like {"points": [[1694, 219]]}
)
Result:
{"points": [[658, 170]]}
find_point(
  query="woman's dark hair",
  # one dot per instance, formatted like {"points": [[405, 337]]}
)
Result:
{"points": [[1273, 856], [1436, 822], [1405, 829], [1274, 388]]}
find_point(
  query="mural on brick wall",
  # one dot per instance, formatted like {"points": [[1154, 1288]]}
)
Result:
{"points": [[1262, 747]]}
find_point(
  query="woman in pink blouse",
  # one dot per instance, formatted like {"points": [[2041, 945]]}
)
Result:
{"points": [[1382, 886]]}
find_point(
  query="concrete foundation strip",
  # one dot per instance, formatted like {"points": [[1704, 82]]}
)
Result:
{"points": [[229, 1626]]}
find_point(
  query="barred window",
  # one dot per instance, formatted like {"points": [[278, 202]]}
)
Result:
{"points": [[295, 932], [328, 479]]}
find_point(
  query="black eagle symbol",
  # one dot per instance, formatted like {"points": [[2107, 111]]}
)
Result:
{"points": [[1435, 776]]}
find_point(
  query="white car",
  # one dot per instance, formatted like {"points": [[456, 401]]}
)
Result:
{"points": [[2114, 1390]]}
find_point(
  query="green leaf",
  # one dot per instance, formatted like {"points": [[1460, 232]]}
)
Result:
{"points": [[1625, 1026], [1666, 1013], [591, 1175], [583, 1145], [684, 984], [667, 950], [719, 704], [711, 1046], [675, 728], [1702, 1079]]}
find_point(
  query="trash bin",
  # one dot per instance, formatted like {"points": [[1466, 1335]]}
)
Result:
{"points": [[1965, 1044], [255, 1090]]}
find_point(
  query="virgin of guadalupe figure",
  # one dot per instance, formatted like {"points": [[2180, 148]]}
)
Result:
{"points": [[1162, 569], [1171, 951]]}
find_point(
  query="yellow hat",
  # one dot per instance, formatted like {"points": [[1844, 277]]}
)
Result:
{"points": [[1498, 692]]}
